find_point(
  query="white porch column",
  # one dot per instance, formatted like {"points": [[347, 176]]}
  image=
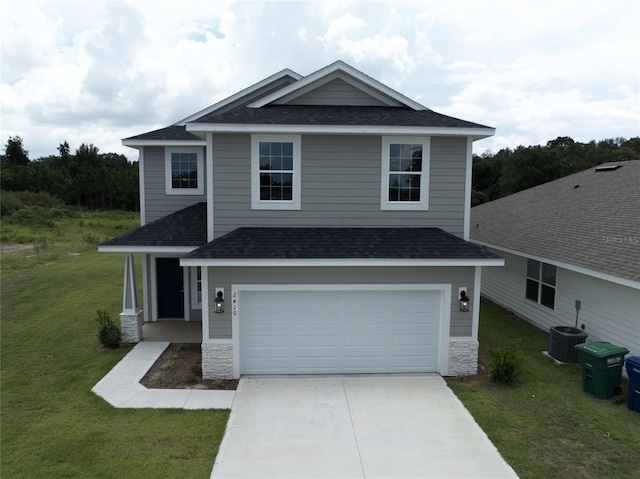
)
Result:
{"points": [[131, 317]]}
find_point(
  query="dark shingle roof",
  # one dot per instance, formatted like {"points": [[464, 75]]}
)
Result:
{"points": [[173, 133], [590, 219], [336, 115], [340, 243], [187, 227]]}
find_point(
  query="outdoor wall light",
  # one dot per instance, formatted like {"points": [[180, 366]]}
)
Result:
{"points": [[464, 301], [219, 301]]}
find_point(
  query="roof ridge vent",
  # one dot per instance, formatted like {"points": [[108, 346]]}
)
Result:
{"points": [[607, 168]]}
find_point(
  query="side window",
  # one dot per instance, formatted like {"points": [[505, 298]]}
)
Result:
{"points": [[541, 283], [405, 173], [275, 172], [184, 171]]}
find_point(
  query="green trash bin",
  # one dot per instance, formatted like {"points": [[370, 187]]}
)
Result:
{"points": [[601, 368]]}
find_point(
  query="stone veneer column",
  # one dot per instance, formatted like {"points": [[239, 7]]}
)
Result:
{"points": [[217, 359], [131, 326], [463, 357]]}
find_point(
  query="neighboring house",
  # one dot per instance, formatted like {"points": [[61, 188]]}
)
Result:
{"points": [[329, 212], [568, 244]]}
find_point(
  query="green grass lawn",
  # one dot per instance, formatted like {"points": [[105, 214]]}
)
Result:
{"points": [[52, 424], [546, 426]]}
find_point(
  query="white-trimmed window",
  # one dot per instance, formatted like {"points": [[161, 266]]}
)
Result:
{"points": [[184, 171], [405, 173], [196, 287], [275, 172], [541, 283]]}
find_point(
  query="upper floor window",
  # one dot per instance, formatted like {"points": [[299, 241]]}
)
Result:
{"points": [[405, 173], [184, 172], [541, 283], [275, 172]]}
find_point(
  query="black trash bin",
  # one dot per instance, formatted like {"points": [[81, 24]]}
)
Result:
{"points": [[633, 371], [562, 339]]}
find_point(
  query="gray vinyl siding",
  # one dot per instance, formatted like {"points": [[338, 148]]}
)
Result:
{"points": [[341, 178], [335, 92], [220, 323], [609, 311], [157, 202]]}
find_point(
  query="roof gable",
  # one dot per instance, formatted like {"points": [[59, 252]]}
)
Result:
{"points": [[346, 73], [589, 220]]}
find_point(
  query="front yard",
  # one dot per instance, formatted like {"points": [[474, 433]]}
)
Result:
{"points": [[54, 426]]}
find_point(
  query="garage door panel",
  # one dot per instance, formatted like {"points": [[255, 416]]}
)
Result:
{"points": [[315, 341], [339, 332], [365, 340], [360, 318]]}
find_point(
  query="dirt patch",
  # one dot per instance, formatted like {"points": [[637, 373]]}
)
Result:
{"points": [[8, 248], [180, 367]]}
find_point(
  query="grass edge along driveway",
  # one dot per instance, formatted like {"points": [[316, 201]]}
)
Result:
{"points": [[546, 426]]}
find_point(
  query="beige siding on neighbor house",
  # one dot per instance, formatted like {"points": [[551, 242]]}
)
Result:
{"points": [[610, 312], [340, 185], [223, 277]]}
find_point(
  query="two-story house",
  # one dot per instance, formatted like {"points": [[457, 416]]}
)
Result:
{"points": [[314, 224]]}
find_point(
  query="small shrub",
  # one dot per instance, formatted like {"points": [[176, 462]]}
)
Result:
{"points": [[505, 364], [191, 379], [108, 331], [157, 378]]}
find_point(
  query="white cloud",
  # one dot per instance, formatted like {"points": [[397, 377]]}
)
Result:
{"points": [[103, 70]]}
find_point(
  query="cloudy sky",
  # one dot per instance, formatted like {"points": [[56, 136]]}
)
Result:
{"points": [[99, 71]]}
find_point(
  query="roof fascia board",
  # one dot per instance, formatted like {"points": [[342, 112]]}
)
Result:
{"points": [[348, 70], [476, 133], [147, 249], [242, 93], [339, 262], [560, 264], [137, 143]]}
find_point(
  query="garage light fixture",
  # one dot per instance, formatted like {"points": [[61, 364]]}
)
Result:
{"points": [[219, 301], [464, 301]]}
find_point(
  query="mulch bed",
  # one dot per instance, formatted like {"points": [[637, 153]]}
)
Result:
{"points": [[180, 367]]}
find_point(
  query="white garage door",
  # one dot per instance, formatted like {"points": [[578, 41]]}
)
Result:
{"points": [[310, 332]]}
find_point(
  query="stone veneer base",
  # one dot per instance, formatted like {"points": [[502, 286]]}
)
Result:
{"points": [[131, 327], [217, 359], [463, 357]]}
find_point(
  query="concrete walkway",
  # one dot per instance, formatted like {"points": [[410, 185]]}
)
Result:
{"points": [[121, 386]]}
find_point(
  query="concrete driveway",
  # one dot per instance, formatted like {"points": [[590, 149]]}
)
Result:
{"points": [[354, 427]]}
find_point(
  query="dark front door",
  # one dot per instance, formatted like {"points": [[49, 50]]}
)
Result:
{"points": [[170, 288]]}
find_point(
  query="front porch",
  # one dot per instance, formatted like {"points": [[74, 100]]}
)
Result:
{"points": [[172, 331]]}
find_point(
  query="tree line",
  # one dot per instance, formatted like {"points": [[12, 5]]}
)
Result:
{"points": [[511, 170], [86, 178], [97, 180]]}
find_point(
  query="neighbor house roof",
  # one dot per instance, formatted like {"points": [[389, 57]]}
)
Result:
{"points": [[340, 244], [185, 229], [590, 220]]}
